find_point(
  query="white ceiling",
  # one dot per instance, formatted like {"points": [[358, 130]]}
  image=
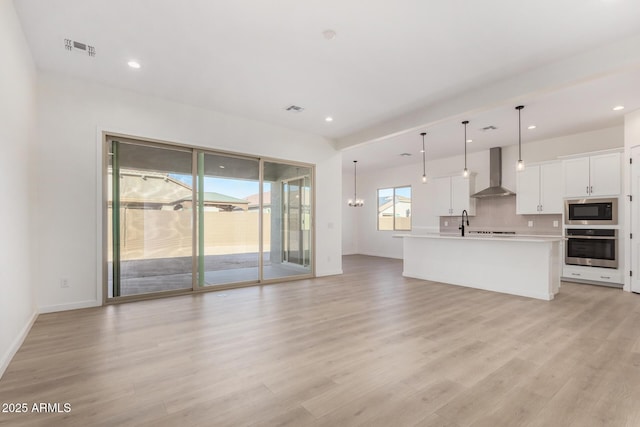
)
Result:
{"points": [[390, 60]]}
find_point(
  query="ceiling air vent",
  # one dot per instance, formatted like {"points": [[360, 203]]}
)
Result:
{"points": [[294, 109], [74, 46], [488, 128]]}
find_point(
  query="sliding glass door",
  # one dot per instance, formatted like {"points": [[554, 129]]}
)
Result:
{"points": [[288, 242], [228, 219], [148, 212], [183, 219]]}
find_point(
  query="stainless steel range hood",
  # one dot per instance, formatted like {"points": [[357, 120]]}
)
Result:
{"points": [[495, 177]]}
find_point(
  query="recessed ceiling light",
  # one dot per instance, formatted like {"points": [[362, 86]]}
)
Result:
{"points": [[469, 140], [221, 167], [328, 119], [618, 108], [329, 34], [531, 127], [422, 151], [133, 64]]}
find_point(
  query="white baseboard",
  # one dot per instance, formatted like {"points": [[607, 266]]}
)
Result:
{"points": [[15, 345], [381, 255], [329, 273], [71, 306]]}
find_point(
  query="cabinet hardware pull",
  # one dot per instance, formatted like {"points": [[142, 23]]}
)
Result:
{"points": [[587, 189], [591, 190]]}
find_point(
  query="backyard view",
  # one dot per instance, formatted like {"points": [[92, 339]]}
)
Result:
{"points": [[153, 238]]}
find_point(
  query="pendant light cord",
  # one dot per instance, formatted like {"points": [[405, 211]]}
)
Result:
{"points": [[519, 108], [519, 135], [355, 181], [465, 123], [424, 154], [465, 144]]}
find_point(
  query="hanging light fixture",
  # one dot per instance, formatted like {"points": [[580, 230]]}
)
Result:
{"points": [[465, 172], [520, 165], [355, 202], [424, 160]]}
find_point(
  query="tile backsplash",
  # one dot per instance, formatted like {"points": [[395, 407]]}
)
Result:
{"points": [[499, 214]]}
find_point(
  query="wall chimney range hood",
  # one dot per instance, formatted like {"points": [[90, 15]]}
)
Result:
{"points": [[495, 177]]}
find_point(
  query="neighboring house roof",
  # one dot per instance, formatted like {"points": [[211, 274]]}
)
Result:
{"points": [[254, 199], [142, 187], [149, 187], [218, 199], [388, 205]]}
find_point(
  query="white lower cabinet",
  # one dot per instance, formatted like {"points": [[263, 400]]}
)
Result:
{"points": [[593, 274]]}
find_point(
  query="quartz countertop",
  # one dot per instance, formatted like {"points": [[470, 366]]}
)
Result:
{"points": [[489, 237]]}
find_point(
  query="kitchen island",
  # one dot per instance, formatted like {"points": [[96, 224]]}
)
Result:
{"points": [[525, 266]]}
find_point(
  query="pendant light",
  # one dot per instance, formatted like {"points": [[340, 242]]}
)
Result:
{"points": [[355, 202], [465, 172], [520, 165], [424, 160]]}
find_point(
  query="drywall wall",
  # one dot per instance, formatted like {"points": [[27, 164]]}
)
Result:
{"points": [[369, 241], [17, 119], [72, 113]]}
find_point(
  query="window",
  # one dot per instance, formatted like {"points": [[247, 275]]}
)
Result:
{"points": [[394, 208]]}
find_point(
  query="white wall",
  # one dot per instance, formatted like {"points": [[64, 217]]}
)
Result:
{"points": [[17, 118], [367, 240], [71, 115]]}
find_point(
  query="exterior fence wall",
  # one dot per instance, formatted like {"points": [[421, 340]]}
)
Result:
{"points": [[149, 234]]}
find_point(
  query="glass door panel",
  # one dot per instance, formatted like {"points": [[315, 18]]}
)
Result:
{"points": [[149, 219], [228, 219], [287, 220]]}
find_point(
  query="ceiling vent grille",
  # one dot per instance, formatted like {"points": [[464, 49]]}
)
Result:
{"points": [[294, 109], [488, 128], [74, 46]]}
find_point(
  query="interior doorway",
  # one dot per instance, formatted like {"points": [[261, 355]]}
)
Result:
{"points": [[635, 219]]}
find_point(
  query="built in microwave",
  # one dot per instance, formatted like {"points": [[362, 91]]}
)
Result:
{"points": [[591, 212]]}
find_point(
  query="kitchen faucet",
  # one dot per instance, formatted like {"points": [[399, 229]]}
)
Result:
{"points": [[464, 212]]}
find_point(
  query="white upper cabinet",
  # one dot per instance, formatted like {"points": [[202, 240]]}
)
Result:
{"points": [[551, 188], [605, 175], [442, 190], [528, 190], [597, 175], [576, 177], [452, 195], [539, 189]]}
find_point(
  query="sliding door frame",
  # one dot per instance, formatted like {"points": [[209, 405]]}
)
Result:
{"points": [[195, 150]]}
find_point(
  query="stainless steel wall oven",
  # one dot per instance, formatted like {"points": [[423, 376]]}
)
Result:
{"points": [[592, 247]]}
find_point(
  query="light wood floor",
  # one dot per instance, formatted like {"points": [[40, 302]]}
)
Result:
{"points": [[367, 348]]}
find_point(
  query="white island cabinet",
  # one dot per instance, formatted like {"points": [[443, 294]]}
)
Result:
{"points": [[525, 266]]}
